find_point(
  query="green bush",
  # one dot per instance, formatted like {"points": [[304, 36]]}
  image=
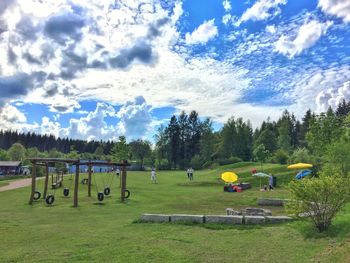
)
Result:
{"points": [[230, 160], [280, 156], [196, 162], [163, 165], [321, 198]]}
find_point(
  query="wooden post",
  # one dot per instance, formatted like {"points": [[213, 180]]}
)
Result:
{"points": [[76, 185], [123, 182], [46, 180], [33, 183], [89, 180]]}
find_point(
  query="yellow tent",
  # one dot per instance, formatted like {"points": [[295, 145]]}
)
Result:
{"points": [[229, 177], [300, 166]]}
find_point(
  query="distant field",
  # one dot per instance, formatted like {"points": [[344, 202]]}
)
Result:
{"points": [[109, 232], [3, 183]]}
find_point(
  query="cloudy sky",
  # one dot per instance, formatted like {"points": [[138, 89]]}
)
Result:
{"points": [[96, 69]]}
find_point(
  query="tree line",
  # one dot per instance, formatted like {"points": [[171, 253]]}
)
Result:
{"points": [[188, 140]]}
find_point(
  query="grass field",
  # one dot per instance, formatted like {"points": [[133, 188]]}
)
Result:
{"points": [[110, 232]]}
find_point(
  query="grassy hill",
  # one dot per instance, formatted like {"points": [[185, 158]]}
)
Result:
{"points": [[110, 232]]}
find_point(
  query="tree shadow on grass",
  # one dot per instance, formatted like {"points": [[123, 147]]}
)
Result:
{"points": [[340, 229]]}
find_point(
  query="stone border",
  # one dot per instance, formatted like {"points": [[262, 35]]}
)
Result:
{"points": [[272, 201], [215, 219]]}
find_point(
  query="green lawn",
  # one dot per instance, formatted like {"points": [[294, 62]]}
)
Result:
{"points": [[110, 232], [3, 183]]}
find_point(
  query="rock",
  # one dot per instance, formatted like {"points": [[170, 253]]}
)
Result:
{"points": [[251, 211], [220, 219], [155, 218], [254, 220], [278, 219], [232, 212], [187, 218], [272, 201]]}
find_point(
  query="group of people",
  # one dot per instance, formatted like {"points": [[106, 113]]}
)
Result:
{"points": [[154, 177]]}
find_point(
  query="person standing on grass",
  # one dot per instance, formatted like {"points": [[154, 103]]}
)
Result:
{"points": [[188, 173], [153, 176], [191, 174], [117, 172], [270, 182]]}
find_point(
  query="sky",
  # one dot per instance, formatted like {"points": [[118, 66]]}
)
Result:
{"points": [[98, 69]]}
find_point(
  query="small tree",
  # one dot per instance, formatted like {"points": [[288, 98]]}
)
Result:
{"points": [[120, 150], [321, 198], [17, 152], [261, 154]]}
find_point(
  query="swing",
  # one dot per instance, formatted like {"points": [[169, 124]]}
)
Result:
{"points": [[37, 195], [66, 190], [100, 195], [128, 193], [50, 199], [107, 189]]}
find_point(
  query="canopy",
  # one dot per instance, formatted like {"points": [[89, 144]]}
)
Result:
{"points": [[300, 166], [229, 177], [302, 174], [261, 175]]}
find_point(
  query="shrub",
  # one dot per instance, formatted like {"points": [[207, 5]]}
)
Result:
{"points": [[281, 156], [230, 160], [322, 198], [301, 155], [196, 162], [163, 164]]}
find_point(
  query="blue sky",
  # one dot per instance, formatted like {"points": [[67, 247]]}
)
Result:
{"points": [[110, 68]]}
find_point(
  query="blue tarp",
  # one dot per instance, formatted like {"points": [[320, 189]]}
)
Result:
{"points": [[302, 174]]}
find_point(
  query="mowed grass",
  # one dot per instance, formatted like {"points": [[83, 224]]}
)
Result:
{"points": [[110, 231]]}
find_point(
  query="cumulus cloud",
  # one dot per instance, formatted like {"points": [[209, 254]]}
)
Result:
{"points": [[93, 126], [4, 4], [135, 118], [319, 89], [203, 33], [338, 8], [14, 86], [308, 34], [262, 10], [333, 97], [227, 5], [64, 27]]}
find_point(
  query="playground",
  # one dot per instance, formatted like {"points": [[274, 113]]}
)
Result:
{"points": [[110, 230]]}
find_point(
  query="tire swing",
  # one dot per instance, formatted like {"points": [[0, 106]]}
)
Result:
{"points": [[127, 193], [100, 195], [37, 195], [50, 199], [107, 189], [66, 190]]}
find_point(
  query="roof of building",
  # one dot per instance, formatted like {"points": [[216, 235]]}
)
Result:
{"points": [[10, 163]]}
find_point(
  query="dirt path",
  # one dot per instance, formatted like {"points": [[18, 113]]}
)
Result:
{"points": [[16, 184]]}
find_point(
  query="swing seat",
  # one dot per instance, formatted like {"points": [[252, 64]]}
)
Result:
{"points": [[66, 192], [37, 195], [50, 199], [100, 196], [107, 191]]}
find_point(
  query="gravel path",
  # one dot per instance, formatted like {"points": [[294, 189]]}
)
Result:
{"points": [[16, 184]]}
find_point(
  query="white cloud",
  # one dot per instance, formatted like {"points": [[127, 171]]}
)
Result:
{"points": [[226, 19], [203, 33], [261, 10], [271, 29], [93, 126], [319, 89], [333, 97], [339, 8], [135, 118], [308, 34], [227, 5]]}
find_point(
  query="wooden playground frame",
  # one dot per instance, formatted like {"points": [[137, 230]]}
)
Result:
{"points": [[46, 162]]}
